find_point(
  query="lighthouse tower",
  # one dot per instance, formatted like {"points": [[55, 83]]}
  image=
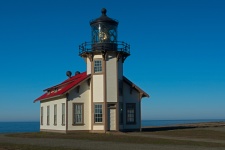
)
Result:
{"points": [[105, 56]]}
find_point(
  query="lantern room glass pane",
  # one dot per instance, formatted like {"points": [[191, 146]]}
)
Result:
{"points": [[104, 33]]}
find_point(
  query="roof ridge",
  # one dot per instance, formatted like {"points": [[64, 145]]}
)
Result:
{"points": [[67, 81], [65, 87]]}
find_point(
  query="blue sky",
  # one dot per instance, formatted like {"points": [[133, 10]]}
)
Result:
{"points": [[177, 52]]}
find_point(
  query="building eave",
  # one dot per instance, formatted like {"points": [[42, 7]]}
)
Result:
{"points": [[48, 98], [142, 92]]}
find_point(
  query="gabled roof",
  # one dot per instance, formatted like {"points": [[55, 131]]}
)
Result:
{"points": [[74, 81], [64, 87]]}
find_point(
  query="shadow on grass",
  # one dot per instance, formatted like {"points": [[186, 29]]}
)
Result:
{"points": [[155, 129], [185, 126]]}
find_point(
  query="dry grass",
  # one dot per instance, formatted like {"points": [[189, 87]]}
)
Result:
{"points": [[10, 146], [210, 130], [116, 138], [192, 133]]}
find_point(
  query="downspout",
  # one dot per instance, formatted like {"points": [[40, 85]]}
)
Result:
{"points": [[105, 97], [141, 94], [67, 95]]}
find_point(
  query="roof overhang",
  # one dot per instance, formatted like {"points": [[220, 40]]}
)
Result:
{"points": [[142, 93]]}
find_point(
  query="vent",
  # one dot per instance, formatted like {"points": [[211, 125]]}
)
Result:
{"points": [[69, 73], [77, 72]]}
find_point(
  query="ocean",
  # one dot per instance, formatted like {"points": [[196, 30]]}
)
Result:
{"points": [[16, 127]]}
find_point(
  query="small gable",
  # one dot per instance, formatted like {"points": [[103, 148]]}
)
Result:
{"points": [[64, 87]]}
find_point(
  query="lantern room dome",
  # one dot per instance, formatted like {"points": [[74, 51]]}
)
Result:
{"points": [[104, 19]]}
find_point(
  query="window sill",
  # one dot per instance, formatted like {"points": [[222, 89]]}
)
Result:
{"points": [[63, 124], [98, 123], [98, 73], [81, 124], [131, 123]]}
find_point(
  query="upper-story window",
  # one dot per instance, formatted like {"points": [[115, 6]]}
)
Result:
{"points": [[97, 66]]}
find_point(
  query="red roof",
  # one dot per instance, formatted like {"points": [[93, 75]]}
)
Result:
{"points": [[63, 87]]}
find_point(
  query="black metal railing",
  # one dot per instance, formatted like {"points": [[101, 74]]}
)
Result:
{"points": [[119, 46]]}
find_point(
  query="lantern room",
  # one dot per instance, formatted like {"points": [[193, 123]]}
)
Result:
{"points": [[104, 29], [104, 39]]}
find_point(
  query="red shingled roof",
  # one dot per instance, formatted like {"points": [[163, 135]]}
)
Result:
{"points": [[63, 87]]}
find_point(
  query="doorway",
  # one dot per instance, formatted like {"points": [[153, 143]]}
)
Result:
{"points": [[111, 119]]}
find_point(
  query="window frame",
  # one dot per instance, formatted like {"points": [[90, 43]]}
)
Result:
{"points": [[75, 115], [42, 113], [63, 114], [130, 113], [98, 115], [94, 67], [48, 115], [55, 114]]}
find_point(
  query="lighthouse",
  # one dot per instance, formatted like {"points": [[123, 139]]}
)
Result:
{"points": [[101, 99]]}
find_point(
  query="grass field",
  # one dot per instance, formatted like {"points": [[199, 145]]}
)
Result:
{"points": [[10, 146], [200, 136], [193, 133], [106, 138]]}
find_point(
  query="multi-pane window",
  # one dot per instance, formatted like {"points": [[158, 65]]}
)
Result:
{"points": [[130, 113], [41, 115], [55, 114], [78, 113], [98, 113], [63, 114], [48, 115], [97, 66]]}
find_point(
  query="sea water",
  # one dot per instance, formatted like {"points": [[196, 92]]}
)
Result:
{"points": [[15, 127]]}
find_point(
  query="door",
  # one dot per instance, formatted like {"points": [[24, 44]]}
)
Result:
{"points": [[112, 119]]}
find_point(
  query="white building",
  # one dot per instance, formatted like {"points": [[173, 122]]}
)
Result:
{"points": [[100, 99]]}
